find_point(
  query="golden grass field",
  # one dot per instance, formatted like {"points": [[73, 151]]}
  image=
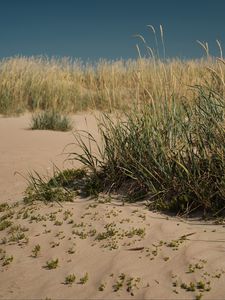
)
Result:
{"points": [[35, 83]]}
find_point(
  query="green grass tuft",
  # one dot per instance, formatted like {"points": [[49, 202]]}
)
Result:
{"points": [[51, 264], [50, 120], [70, 279], [171, 153]]}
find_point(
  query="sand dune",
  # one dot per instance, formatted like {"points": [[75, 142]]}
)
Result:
{"points": [[115, 251], [23, 150]]}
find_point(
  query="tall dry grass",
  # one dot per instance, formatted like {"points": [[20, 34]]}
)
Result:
{"points": [[36, 83]]}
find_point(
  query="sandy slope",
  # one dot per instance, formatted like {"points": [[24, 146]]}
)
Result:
{"points": [[23, 150], [144, 255]]}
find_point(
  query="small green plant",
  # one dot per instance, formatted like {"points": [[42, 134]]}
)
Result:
{"points": [[199, 266], [199, 296], [16, 234], [42, 189], [5, 224], [166, 258], [50, 120], [52, 264], [36, 250], [71, 250], [84, 279], [67, 214], [4, 206], [7, 215], [70, 279], [191, 287], [131, 284], [3, 241], [119, 283], [62, 186], [54, 244], [2, 254], [58, 223], [7, 260], [200, 285], [82, 235], [136, 231], [110, 232], [101, 287]]}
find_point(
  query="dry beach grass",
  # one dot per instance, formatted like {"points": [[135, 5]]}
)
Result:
{"points": [[70, 86]]}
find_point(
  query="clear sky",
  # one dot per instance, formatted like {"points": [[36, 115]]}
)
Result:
{"points": [[93, 29]]}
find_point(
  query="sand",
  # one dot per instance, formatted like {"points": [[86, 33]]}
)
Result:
{"points": [[115, 251]]}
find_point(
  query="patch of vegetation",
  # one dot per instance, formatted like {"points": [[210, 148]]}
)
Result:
{"points": [[132, 283], [71, 250], [4, 206], [82, 235], [172, 153], [199, 296], [198, 266], [16, 234], [5, 224], [84, 279], [42, 189], [63, 186], [119, 283], [58, 223], [170, 146], [7, 260], [70, 279], [109, 233], [136, 231], [199, 285], [52, 264], [101, 287], [67, 214], [36, 250], [51, 120], [7, 215], [67, 178]]}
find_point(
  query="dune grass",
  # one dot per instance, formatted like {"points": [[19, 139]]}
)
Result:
{"points": [[171, 153], [70, 85], [50, 120], [66, 85], [169, 145]]}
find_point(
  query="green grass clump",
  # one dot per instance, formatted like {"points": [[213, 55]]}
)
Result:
{"points": [[119, 283], [45, 190], [50, 120], [63, 186], [70, 279], [84, 279], [7, 260], [52, 264], [170, 152], [68, 178], [4, 206], [5, 224], [36, 250]]}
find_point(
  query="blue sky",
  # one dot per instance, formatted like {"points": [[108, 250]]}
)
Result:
{"points": [[94, 29]]}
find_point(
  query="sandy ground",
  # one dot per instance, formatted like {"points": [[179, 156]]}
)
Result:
{"points": [[95, 249], [23, 150]]}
